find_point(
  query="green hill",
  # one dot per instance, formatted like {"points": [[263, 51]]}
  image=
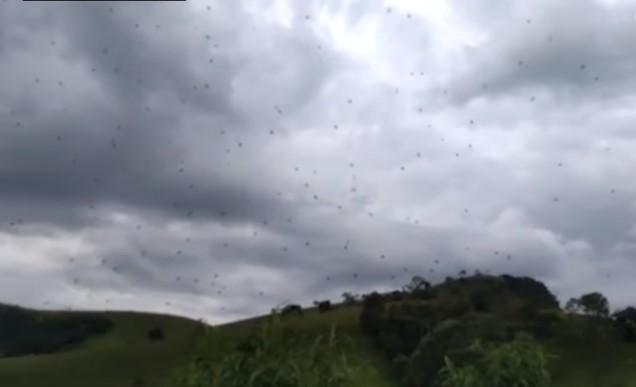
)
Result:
{"points": [[381, 340], [124, 356]]}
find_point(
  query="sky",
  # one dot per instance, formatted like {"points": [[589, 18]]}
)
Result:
{"points": [[216, 159]]}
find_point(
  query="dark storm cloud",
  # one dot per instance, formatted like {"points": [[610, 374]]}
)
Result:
{"points": [[130, 155], [217, 160]]}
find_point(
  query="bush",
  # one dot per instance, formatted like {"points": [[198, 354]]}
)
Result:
{"points": [[479, 300], [350, 299], [323, 306], [520, 363], [625, 321], [23, 332], [372, 314], [290, 309], [629, 332], [530, 289], [278, 357], [155, 334], [626, 315], [458, 307], [543, 323]]}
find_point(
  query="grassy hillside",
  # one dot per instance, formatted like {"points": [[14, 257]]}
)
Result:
{"points": [[122, 357], [589, 351], [370, 366]]}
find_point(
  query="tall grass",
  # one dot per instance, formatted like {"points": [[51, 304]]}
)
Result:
{"points": [[520, 363], [277, 356]]}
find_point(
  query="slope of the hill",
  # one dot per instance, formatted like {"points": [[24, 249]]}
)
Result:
{"points": [[124, 356], [586, 351], [422, 326], [371, 367], [589, 350]]}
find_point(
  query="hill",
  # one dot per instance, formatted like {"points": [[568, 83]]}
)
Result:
{"points": [[396, 339], [121, 356]]}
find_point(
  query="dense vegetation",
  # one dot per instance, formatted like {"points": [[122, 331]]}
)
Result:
{"points": [[122, 357], [470, 331], [278, 357], [23, 333], [519, 363], [420, 327]]}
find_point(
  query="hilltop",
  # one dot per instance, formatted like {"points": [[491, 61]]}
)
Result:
{"points": [[399, 338]]}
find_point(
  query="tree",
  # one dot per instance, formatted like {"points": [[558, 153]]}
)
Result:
{"points": [[626, 322], [591, 303], [349, 298], [372, 313], [417, 288], [595, 303], [573, 305], [417, 283], [626, 315], [323, 306], [291, 308]]}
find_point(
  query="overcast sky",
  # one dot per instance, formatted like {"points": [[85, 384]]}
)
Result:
{"points": [[217, 158]]}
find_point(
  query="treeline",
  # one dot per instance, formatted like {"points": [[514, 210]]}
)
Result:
{"points": [[421, 325], [23, 332]]}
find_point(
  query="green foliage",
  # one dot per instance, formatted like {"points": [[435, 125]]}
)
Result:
{"points": [[291, 309], [591, 303], [596, 304], [350, 299], [417, 288], [625, 321], [121, 357], [531, 290], [453, 376], [520, 363], [626, 315], [323, 306], [22, 333], [544, 323], [480, 300], [277, 357], [155, 334], [372, 313]]}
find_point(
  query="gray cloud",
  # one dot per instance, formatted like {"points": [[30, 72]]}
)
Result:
{"points": [[218, 161]]}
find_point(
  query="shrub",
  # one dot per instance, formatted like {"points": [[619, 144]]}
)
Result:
{"points": [[520, 363], [629, 332], [479, 300], [292, 308], [530, 289], [625, 315], [372, 314], [155, 334], [350, 298], [323, 306], [279, 357], [626, 323]]}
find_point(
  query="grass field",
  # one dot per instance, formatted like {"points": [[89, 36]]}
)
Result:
{"points": [[112, 360], [372, 370], [125, 355]]}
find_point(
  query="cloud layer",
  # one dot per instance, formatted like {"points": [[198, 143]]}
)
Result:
{"points": [[215, 159]]}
